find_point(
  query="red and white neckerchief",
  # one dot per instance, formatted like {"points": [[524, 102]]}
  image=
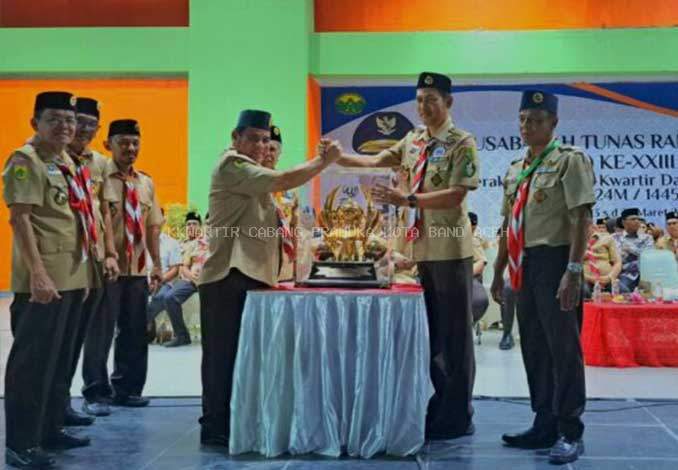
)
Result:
{"points": [[134, 227], [415, 218], [591, 257], [516, 236], [80, 200], [516, 226]]}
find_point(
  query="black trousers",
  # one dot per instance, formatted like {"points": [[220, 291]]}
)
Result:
{"points": [[91, 311], [448, 287], [37, 375], [124, 303], [128, 298], [221, 307], [549, 339]]}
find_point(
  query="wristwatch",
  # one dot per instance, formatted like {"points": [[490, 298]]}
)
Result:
{"points": [[412, 200], [575, 268]]}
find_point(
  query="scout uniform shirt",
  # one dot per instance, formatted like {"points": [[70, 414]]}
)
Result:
{"points": [[194, 255], [31, 176], [243, 223], [150, 215], [452, 161], [602, 253], [563, 181], [668, 243]]}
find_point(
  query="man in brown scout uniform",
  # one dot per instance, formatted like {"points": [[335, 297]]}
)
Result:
{"points": [[53, 230], [245, 241], [135, 221], [288, 201], [547, 210], [442, 163], [87, 117]]}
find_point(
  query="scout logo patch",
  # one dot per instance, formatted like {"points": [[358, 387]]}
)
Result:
{"points": [[20, 172], [113, 207], [428, 80], [350, 104], [436, 179], [538, 98], [539, 196], [60, 197], [469, 167]]}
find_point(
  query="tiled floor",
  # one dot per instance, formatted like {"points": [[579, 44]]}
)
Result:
{"points": [[165, 436]]}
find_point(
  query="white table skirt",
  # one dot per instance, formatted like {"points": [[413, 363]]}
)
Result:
{"points": [[331, 372]]}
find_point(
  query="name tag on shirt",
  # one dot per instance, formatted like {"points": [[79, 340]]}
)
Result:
{"points": [[53, 170], [545, 170], [437, 155]]}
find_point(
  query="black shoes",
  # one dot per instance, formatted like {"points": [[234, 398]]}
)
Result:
{"points": [[28, 458], [178, 341], [531, 439], [73, 418], [566, 451], [445, 435], [506, 342], [63, 440], [208, 438], [131, 401]]}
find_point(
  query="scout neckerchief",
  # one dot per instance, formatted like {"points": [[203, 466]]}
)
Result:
{"points": [[415, 220], [516, 228], [80, 201], [134, 228]]}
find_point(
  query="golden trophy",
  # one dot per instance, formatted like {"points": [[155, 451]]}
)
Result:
{"points": [[351, 234]]}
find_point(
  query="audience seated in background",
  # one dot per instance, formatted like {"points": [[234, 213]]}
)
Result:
{"points": [[630, 244], [602, 262]]}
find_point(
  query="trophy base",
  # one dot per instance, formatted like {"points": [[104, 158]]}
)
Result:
{"points": [[357, 274]]}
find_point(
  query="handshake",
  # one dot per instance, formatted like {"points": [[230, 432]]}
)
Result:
{"points": [[329, 150]]}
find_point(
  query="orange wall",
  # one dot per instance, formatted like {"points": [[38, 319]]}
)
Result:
{"points": [[72, 13], [448, 15], [160, 106]]}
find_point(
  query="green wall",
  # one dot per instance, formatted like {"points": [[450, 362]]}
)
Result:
{"points": [[258, 53], [245, 54]]}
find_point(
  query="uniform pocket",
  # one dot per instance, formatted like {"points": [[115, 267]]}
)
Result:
{"points": [[546, 192]]}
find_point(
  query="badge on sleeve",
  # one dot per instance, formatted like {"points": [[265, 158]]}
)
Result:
{"points": [[20, 172], [469, 166]]}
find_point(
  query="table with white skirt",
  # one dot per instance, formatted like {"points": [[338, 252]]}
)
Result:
{"points": [[331, 372]]}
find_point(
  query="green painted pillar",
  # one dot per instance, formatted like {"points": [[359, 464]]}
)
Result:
{"points": [[245, 54]]}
